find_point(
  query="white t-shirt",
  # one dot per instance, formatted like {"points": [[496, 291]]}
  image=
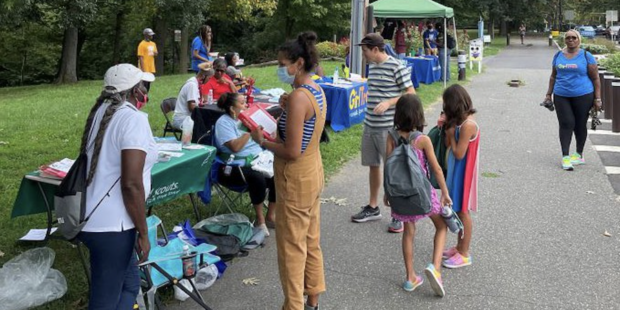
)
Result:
{"points": [[128, 129], [189, 92]]}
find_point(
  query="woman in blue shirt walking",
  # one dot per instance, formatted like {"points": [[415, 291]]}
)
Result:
{"points": [[576, 89]]}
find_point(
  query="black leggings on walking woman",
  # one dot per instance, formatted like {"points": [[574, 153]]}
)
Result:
{"points": [[573, 113]]}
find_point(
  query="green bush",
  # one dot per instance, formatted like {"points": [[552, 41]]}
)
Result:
{"points": [[331, 49], [595, 48], [414, 40], [612, 63], [610, 45]]}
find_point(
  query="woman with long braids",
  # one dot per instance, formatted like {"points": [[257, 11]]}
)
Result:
{"points": [[201, 46], [298, 175], [121, 152]]}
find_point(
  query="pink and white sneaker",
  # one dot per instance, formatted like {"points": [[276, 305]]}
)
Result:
{"points": [[457, 261], [449, 253]]}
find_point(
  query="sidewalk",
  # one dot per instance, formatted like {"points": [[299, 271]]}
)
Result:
{"points": [[538, 236]]}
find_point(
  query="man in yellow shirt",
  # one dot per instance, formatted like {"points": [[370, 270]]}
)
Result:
{"points": [[147, 50]]}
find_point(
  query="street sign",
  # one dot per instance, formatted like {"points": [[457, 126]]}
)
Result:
{"points": [[177, 36], [611, 16], [569, 15]]}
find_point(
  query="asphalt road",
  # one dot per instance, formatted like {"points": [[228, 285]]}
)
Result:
{"points": [[538, 235]]}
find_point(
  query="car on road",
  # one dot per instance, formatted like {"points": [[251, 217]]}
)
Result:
{"points": [[586, 31], [614, 30], [600, 30]]}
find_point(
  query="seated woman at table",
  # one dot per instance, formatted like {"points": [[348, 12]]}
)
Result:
{"points": [[121, 151], [230, 139], [220, 83], [231, 70]]}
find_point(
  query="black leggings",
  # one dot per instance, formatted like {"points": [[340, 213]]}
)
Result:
{"points": [[573, 113], [257, 183]]}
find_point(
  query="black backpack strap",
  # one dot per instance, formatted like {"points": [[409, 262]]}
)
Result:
{"points": [[102, 198], [556, 57], [585, 54]]}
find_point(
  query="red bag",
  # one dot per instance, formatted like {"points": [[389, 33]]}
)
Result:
{"points": [[256, 116]]}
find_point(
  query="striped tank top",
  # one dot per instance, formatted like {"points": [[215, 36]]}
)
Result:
{"points": [[308, 125]]}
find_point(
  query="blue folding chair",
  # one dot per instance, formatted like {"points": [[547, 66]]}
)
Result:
{"points": [[165, 266], [229, 195]]}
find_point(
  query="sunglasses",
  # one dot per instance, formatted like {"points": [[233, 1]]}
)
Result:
{"points": [[220, 70], [570, 38]]}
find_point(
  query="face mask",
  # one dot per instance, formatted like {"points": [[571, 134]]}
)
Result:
{"points": [[141, 103], [284, 76]]}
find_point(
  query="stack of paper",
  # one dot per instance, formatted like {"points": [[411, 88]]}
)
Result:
{"points": [[168, 144], [57, 170]]}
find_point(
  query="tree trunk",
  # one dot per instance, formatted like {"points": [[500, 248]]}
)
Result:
{"points": [[161, 34], [80, 44], [118, 28], [67, 72], [184, 51], [491, 27], [503, 30]]}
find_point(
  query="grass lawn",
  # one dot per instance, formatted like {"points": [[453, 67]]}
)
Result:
{"points": [[41, 124]]}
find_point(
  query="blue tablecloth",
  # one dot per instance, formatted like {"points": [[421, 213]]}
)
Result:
{"points": [[427, 69], [414, 78], [346, 104]]}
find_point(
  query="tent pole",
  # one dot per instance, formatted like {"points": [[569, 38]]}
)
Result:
{"points": [[444, 65], [456, 37]]}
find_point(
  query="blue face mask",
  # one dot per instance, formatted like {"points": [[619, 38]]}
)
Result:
{"points": [[284, 76]]}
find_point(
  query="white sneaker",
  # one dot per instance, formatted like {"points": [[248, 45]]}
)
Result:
{"points": [[263, 227]]}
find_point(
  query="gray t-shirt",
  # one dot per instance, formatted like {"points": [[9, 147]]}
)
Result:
{"points": [[386, 80]]}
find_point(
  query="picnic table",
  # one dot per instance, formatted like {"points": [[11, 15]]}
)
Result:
{"points": [[426, 68], [346, 103], [170, 180]]}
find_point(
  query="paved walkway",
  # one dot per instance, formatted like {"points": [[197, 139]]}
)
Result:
{"points": [[538, 236]]}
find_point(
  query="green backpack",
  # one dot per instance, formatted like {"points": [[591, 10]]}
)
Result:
{"points": [[438, 136]]}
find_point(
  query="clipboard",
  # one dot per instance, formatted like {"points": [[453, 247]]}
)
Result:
{"points": [[256, 116]]}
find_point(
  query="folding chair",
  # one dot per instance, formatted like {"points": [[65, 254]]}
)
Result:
{"points": [[165, 266], [168, 106], [229, 195]]}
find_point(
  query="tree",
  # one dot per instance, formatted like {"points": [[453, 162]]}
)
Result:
{"points": [[70, 16], [293, 16]]}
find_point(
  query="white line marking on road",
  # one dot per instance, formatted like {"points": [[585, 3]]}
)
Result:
{"points": [[604, 121], [607, 148], [603, 132], [612, 170]]}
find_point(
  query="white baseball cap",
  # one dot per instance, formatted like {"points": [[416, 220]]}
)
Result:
{"points": [[148, 31], [125, 76]]}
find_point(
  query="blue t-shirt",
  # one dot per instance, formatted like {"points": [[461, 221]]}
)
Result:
{"points": [[227, 129], [431, 35], [202, 51], [571, 79]]}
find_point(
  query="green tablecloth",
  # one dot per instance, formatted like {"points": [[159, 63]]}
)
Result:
{"points": [[180, 176]]}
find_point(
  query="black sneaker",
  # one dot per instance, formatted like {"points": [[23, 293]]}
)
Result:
{"points": [[368, 213]]}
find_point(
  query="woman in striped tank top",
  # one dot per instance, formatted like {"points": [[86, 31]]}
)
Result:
{"points": [[298, 175]]}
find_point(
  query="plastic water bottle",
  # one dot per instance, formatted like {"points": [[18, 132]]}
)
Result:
{"points": [[228, 168], [210, 97], [336, 76], [450, 218], [189, 262]]}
